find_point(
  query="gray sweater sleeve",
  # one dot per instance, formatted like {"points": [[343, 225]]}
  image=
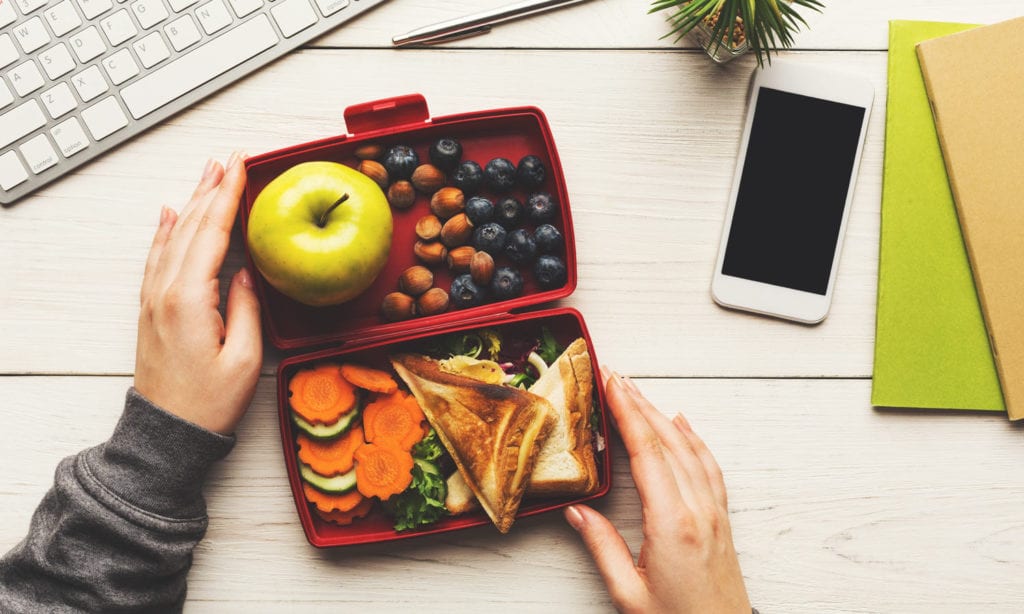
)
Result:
{"points": [[116, 531]]}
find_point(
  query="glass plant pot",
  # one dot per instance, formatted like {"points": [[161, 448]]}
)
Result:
{"points": [[720, 52]]}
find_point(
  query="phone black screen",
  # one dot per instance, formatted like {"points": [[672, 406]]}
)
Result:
{"points": [[792, 191]]}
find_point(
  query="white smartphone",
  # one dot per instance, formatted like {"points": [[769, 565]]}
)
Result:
{"points": [[791, 192]]}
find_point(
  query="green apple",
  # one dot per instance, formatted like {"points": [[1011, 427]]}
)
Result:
{"points": [[320, 233]]}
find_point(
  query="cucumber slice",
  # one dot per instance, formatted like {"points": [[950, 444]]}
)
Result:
{"points": [[326, 431], [335, 485]]}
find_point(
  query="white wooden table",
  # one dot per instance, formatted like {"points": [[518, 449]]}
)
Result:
{"points": [[837, 507]]}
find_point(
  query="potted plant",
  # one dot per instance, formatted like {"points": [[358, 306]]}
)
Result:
{"points": [[728, 28]]}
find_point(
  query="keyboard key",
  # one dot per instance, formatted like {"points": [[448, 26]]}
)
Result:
{"points": [[7, 14], [149, 12], [118, 27], [27, 6], [31, 35], [182, 33], [213, 16], [120, 67], [293, 16], [180, 5], [330, 7], [26, 78], [8, 54], [20, 121], [104, 118], [6, 97], [58, 100], [151, 50], [57, 61], [244, 7], [62, 18], [12, 173], [89, 83], [94, 8], [70, 137], [198, 66], [87, 44], [39, 154]]}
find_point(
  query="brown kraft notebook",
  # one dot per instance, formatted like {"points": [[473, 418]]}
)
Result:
{"points": [[976, 89]]}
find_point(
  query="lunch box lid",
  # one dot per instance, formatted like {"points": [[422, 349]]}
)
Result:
{"points": [[290, 325]]}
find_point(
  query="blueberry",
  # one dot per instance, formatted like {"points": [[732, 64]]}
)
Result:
{"points": [[479, 210], [507, 283], [509, 212], [500, 174], [550, 272], [520, 246], [468, 177], [465, 293], [446, 153], [490, 238], [548, 239], [400, 161], [540, 207], [531, 172]]}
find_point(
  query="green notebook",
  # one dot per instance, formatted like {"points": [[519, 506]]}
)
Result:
{"points": [[931, 348]]}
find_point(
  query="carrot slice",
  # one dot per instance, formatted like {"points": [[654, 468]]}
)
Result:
{"points": [[383, 469], [329, 503], [367, 378], [396, 417], [331, 456], [346, 518], [321, 395]]}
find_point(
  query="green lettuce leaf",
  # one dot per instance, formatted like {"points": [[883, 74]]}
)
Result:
{"points": [[423, 502]]}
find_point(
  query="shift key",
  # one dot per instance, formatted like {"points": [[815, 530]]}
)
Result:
{"points": [[198, 66], [20, 121]]}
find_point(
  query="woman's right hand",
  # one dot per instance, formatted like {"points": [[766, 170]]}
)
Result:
{"points": [[687, 563]]}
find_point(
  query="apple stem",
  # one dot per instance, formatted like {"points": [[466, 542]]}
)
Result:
{"points": [[323, 217]]}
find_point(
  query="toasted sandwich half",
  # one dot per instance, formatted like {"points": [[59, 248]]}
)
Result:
{"points": [[566, 463], [492, 431]]}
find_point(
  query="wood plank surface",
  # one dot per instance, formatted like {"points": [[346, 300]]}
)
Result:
{"points": [[648, 147], [625, 24], [835, 508]]}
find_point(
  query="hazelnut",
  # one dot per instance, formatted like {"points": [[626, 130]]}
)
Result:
{"points": [[415, 280], [370, 151], [428, 178], [446, 202], [376, 171], [428, 227], [459, 258], [401, 194], [433, 302], [456, 231], [397, 306], [430, 253], [481, 268]]}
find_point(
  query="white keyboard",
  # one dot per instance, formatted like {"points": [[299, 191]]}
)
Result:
{"points": [[78, 77]]}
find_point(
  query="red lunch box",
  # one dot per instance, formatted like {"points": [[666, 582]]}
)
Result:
{"points": [[356, 332]]}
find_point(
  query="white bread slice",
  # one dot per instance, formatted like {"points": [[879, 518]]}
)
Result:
{"points": [[566, 464], [460, 498]]}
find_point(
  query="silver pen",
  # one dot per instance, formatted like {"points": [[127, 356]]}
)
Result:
{"points": [[477, 23]]}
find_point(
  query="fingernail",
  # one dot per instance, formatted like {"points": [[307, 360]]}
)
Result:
{"points": [[574, 517], [682, 423], [164, 214], [244, 277], [606, 373], [231, 159], [630, 385], [208, 168]]}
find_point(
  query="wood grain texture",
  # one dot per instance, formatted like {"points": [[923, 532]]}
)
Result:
{"points": [[625, 24], [648, 144], [835, 508]]}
